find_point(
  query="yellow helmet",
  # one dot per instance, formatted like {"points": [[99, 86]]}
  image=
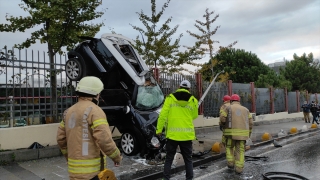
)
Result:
{"points": [[90, 85]]}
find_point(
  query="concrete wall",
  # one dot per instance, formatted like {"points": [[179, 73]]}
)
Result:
{"points": [[23, 137]]}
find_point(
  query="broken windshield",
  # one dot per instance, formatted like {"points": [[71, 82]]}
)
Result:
{"points": [[149, 96]]}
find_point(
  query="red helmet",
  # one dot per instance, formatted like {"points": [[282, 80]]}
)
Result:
{"points": [[226, 98], [235, 97]]}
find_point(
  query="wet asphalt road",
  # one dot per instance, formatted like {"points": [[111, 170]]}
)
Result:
{"points": [[299, 155]]}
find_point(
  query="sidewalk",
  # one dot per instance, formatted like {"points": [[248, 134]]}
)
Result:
{"points": [[136, 168]]}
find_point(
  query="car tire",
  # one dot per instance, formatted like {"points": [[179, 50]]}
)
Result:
{"points": [[129, 144], [75, 69]]}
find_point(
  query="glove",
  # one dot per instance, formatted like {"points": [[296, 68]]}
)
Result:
{"points": [[117, 160], [221, 128]]}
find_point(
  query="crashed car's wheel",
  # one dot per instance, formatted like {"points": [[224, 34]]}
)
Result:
{"points": [[129, 144], [75, 70]]}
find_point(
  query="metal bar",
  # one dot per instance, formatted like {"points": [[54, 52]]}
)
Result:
{"points": [[207, 90]]}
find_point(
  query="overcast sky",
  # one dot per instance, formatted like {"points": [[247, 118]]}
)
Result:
{"points": [[272, 29]]}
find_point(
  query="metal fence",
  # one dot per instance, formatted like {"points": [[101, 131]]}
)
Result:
{"points": [[29, 95], [213, 100], [169, 83], [279, 100], [33, 90], [292, 102]]}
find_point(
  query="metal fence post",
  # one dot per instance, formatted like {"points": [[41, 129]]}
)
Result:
{"points": [[199, 89], [286, 105], [156, 74], [271, 101], [11, 110], [253, 98], [230, 87], [298, 100]]}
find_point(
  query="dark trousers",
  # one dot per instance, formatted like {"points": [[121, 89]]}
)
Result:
{"points": [[315, 115], [186, 151]]}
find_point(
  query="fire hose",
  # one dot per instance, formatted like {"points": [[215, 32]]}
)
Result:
{"points": [[282, 175]]}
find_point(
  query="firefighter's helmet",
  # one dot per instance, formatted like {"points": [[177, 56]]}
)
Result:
{"points": [[235, 97], [90, 85], [226, 98]]}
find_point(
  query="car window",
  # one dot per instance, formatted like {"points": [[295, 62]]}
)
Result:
{"points": [[149, 97]]}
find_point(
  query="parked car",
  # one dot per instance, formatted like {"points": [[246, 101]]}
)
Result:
{"points": [[20, 122], [17, 121], [131, 98]]}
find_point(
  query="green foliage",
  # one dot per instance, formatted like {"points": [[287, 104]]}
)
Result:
{"points": [[271, 79], [303, 72], [242, 66], [58, 22], [158, 50], [13, 157], [204, 44], [4, 163]]}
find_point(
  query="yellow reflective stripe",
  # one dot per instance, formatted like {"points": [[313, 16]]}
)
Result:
{"points": [[64, 151], [85, 166], [83, 170], [240, 163], [178, 129], [229, 150], [83, 162], [223, 113], [115, 153], [236, 132], [62, 124], [98, 122]]}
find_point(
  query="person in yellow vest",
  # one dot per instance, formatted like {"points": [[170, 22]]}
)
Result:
{"points": [[84, 136], [226, 103], [237, 124], [176, 116]]}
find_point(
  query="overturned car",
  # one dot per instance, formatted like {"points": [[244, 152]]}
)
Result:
{"points": [[131, 97]]}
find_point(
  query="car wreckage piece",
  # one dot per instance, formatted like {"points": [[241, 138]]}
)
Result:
{"points": [[131, 97]]}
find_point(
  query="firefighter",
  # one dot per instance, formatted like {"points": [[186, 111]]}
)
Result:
{"points": [[226, 103], [237, 124], [83, 136], [177, 115]]}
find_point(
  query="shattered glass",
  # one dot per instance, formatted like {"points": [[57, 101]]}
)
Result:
{"points": [[149, 97]]}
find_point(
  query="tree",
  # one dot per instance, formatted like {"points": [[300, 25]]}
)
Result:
{"points": [[6, 58], [271, 79], [59, 24], [158, 50], [303, 72], [241, 66], [204, 44]]}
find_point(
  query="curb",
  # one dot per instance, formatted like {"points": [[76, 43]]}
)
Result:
{"points": [[284, 137], [18, 155]]}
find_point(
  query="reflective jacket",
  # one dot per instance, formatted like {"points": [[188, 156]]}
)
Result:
{"points": [[177, 115], [223, 107], [82, 133], [237, 122]]}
